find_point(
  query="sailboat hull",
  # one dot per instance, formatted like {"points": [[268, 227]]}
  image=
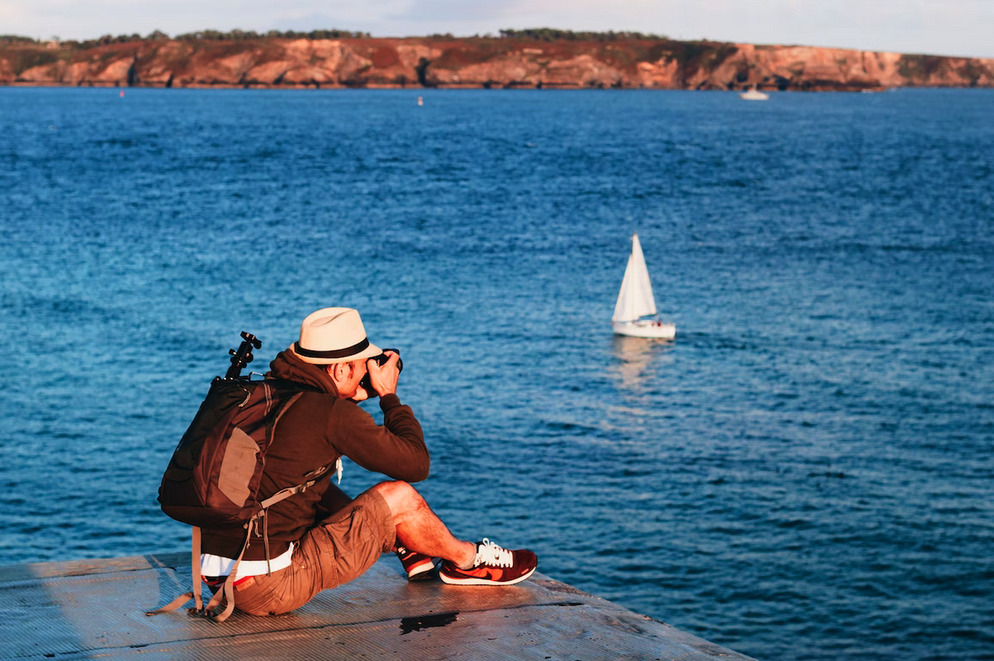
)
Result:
{"points": [[645, 328]]}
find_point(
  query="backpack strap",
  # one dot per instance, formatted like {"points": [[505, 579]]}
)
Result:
{"points": [[195, 592], [228, 590], [283, 494], [195, 566]]}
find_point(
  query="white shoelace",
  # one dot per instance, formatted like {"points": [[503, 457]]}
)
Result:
{"points": [[488, 553]]}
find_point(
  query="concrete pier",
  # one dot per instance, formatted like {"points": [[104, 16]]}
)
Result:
{"points": [[96, 609]]}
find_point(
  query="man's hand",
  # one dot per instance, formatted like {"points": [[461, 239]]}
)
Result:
{"points": [[384, 377]]}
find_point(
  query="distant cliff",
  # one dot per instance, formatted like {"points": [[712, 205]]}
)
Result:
{"points": [[497, 62]]}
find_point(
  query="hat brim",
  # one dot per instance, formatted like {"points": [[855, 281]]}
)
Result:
{"points": [[370, 351]]}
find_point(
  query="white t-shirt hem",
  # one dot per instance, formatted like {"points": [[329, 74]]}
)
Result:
{"points": [[216, 565]]}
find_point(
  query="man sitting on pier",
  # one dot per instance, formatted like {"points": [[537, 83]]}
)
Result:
{"points": [[320, 538]]}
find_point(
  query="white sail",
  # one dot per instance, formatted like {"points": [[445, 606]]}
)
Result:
{"points": [[635, 299]]}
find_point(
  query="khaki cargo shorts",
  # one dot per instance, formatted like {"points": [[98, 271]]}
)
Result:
{"points": [[337, 550]]}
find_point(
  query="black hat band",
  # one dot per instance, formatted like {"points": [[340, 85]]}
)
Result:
{"points": [[332, 353]]}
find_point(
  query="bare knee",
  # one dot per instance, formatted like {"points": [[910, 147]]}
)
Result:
{"points": [[400, 497]]}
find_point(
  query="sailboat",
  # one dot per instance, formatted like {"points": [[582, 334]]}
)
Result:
{"points": [[635, 312]]}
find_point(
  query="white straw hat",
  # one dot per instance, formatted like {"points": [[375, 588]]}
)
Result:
{"points": [[333, 335]]}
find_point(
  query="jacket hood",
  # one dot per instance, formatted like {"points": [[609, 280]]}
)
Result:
{"points": [[289, 366]]}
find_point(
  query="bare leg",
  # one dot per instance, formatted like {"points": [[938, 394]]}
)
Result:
{"points": [[420, 529]]}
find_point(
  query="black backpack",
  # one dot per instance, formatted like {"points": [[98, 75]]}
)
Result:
{"points": [[212, 480]]}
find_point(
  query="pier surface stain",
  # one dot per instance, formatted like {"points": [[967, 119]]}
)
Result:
{"points": [[419, 622]]}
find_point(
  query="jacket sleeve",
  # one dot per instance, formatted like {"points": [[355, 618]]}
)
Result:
{"points": [[396, 449]]}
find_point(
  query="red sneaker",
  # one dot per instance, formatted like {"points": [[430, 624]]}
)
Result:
{"points": [[493, 566], [417, 565]]}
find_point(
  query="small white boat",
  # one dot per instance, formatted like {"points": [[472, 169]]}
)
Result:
{"points": [[754, 95], [635, 312]]}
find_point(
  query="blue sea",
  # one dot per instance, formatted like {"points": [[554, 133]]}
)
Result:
{"points": [[805, 472]]}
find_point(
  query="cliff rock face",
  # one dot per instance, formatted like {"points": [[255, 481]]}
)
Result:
{"points": [[482, 62]]}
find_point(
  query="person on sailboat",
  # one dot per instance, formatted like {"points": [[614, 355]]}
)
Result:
{"points": [[320, 538]]}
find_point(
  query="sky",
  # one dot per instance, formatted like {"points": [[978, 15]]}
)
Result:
{"points": [[934, 27]]}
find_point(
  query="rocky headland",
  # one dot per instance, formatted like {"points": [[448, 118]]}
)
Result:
{"points": [[487, 62]]}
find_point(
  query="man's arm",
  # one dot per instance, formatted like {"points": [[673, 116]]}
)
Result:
{"points": [[396, 449]]}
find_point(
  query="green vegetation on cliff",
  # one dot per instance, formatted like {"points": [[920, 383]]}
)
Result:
{"points": [[200, 35], [533, 34], [553, 34]]}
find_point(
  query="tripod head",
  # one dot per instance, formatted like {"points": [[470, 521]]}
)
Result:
{"points": [[243, 355]]}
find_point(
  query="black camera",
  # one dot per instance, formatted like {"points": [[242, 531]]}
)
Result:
{"points": [[366, 384]]}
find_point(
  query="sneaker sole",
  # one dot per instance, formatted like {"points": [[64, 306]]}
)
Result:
{"points": [[421, 572], [422, 575], [469, 580]]}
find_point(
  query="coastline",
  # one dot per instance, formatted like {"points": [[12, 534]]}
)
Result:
{"points": [[471, 63]]}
